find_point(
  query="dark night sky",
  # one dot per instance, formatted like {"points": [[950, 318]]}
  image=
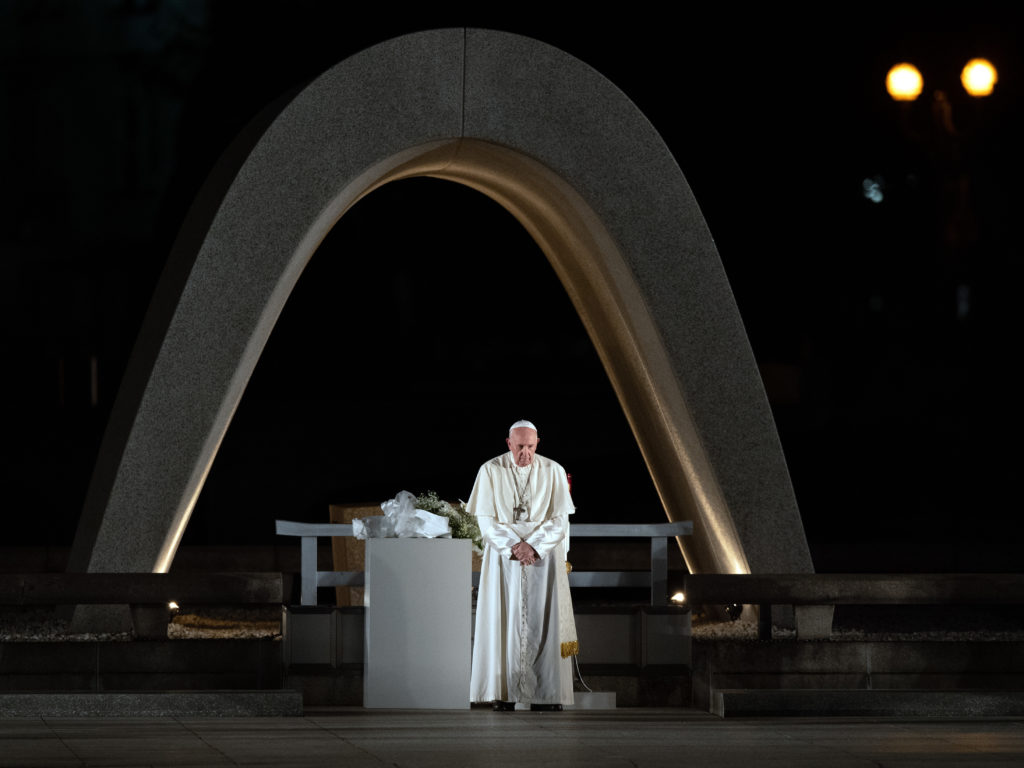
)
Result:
{"points": [[885, 332]]}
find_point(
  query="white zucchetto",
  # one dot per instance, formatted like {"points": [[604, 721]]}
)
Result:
{"points": [[521, 424]]}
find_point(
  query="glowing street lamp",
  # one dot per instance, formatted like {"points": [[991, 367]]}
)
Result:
{"points": [[904, 82], [979, 77]]}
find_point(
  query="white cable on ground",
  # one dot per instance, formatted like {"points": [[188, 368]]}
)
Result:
{"points": [[576, 663]]}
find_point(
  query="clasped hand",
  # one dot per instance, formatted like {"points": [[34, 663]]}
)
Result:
{"points": [[524, 553]]}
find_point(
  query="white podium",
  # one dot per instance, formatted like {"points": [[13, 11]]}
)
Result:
{"points": [[418, 606]]}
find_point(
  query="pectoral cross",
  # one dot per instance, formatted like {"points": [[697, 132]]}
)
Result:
{"points": [[519, 513]]}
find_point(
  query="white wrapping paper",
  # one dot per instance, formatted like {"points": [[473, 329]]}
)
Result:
{"points": [[402, 520]]}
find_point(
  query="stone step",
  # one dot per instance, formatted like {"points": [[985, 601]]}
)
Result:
{"points": [[256, 664], [281, 703], [790, 674], [861, 703], [859, 656], [613, 686], [945, 680], [141, 665]]}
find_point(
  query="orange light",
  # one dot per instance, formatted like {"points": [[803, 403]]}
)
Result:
{"points": [[979, 77], [904, 82]]}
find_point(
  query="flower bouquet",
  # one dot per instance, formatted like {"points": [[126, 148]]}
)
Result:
{"points": [[463, 524]]}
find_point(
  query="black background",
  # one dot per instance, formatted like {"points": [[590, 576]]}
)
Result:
{"points": [[886, 332]]}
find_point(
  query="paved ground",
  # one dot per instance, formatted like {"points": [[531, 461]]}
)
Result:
{"points": [[625, 737]]}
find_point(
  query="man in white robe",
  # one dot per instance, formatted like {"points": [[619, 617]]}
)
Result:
{"points": [[525, 631]]}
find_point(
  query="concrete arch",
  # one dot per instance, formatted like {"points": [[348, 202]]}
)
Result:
{"points": [[578, 165]]}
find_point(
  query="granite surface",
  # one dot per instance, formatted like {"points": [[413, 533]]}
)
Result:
{"points": [[598, 739], [282, 703]]}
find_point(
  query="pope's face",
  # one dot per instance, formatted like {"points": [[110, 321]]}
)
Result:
{"points": [[523, 443]]}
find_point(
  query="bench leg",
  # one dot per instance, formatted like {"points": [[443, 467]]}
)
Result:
{"points": [[813, 622], [764, 621], [659, 571], [150, 620]]}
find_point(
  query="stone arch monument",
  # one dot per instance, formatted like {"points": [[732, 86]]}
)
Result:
{"points": [[580, 167]]}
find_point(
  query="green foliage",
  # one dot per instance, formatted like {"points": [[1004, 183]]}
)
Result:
{"points": [[463, 524]]}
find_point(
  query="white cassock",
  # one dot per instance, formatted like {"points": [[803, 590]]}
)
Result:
{"points": [[525, 630]]}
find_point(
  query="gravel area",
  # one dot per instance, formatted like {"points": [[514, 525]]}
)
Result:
{"points": [[227, 625], [40, 625], [747, 630], [43, 626]]}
